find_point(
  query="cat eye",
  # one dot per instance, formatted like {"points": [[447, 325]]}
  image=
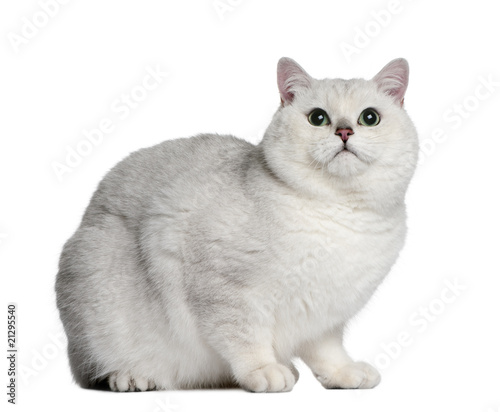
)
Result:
{"points": [[369, 117], [318, 117]]}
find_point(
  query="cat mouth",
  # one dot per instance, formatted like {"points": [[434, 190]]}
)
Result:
{"points": [[343, 152]]}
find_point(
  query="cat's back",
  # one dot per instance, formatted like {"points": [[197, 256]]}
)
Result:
{"points": [[174, 168]]}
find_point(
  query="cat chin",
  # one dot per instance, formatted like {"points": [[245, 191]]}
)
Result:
{"points": [[346, 164]]}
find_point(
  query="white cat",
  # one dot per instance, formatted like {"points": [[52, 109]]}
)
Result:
{"points": [[208, 261]]}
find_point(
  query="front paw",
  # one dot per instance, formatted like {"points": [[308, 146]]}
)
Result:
{"points": [[270, 378], [356, 375], [126, 382]]}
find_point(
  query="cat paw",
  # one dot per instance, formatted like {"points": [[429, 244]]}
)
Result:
{"points": [[270, 378], [356, 375], [125, 382]]}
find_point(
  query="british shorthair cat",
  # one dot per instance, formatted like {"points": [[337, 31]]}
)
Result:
{"points": [[211, 262]]}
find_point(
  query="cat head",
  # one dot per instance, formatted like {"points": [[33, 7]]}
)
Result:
{"points": [[334, 134]]}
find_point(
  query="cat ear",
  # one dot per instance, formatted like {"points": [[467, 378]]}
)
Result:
{"points": [[291, 78], [393, 79]]}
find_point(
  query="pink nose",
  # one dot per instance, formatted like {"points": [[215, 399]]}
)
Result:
{"points": [[344, 134]]}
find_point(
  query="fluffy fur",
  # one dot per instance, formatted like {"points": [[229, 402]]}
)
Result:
{"points": [[209, 261]]}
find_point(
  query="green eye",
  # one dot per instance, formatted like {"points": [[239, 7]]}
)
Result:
{"points": [[369, 117], [318, 117]]}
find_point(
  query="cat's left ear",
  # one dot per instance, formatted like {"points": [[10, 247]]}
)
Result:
{"points": [[393, 79], [291, 78]]}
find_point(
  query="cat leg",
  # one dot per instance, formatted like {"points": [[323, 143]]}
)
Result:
{"points": [[333, 367], [258, 371], [249, 352], [253, 362]]}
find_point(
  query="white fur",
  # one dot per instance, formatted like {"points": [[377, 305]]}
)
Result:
{"points": [[209, 261]]}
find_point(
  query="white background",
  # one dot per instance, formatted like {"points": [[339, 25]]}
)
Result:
{"points": [[64, 78]]}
